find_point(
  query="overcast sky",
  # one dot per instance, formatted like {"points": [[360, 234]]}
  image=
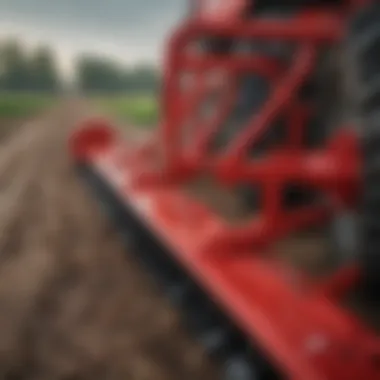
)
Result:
{"points": [[130, 30]]}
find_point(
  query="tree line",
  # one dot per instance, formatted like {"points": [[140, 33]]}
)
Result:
{"points": [[37, 70]]}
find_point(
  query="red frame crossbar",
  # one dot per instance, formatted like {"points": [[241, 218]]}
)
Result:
{"points": [[319, 169]]}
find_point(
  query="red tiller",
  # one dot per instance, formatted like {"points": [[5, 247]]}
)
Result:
{"points": [[299, 323]]}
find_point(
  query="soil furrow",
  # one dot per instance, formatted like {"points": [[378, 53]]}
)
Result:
{"points": [[74, 305]]}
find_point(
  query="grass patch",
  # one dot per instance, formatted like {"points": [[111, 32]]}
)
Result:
{"points": [[23, 105], [140, 110]]}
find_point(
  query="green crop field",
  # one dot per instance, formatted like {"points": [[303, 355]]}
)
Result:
{"points": [[141, 110], [23, 105]]}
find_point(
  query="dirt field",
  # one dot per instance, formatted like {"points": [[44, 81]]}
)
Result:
{"points": [[72, 305]]}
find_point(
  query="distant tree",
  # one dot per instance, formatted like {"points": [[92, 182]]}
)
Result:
{"points": [[43, 70], [145, 77], [15, 67], [2, 70], [22, 72], [98, 74]]}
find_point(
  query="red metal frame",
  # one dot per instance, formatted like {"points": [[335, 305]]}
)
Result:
{"points": [[267, 299]]}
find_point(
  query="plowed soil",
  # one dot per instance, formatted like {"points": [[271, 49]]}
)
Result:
{"points": [[73, 304]]}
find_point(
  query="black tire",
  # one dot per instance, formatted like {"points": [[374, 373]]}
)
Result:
{"points": [[363, 49]]}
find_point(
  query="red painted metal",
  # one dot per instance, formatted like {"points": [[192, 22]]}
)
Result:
{"points": [[220, 9], [266, 298]]}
